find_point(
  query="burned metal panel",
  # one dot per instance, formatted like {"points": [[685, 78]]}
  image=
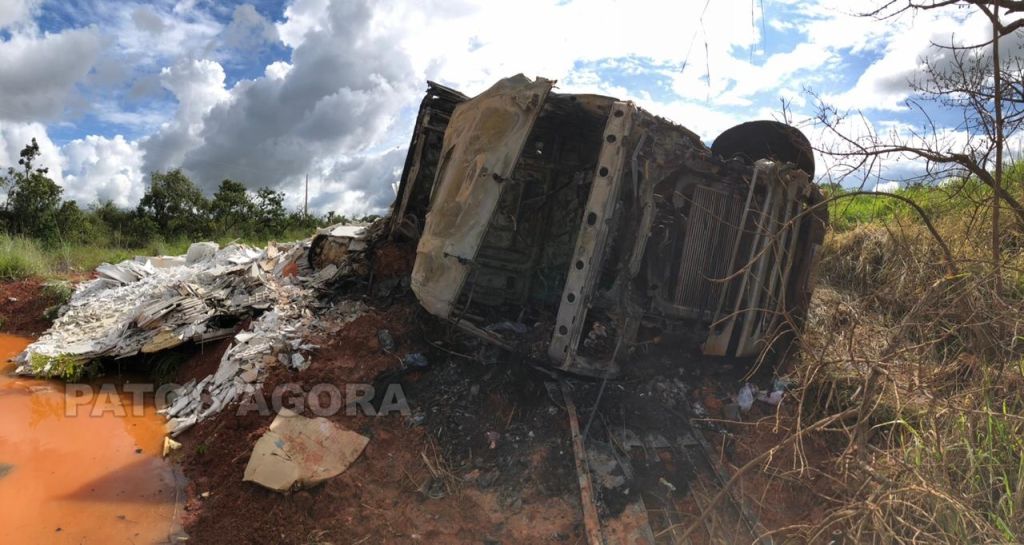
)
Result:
{"points": [[683, 251], [591, 240], [631, 303], [765, 262], [712, 225], [481, 147], [525, 255], [421, 162]]}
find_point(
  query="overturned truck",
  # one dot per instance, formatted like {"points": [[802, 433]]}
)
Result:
{"points": [[586, 230]]}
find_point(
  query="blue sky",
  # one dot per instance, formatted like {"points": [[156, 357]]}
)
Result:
{"points": [[265, 91]]}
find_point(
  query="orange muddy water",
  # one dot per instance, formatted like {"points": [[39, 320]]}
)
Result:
{"points": [[93, 478]]}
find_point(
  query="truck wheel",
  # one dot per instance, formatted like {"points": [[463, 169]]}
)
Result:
{"points": [[765, 139]]}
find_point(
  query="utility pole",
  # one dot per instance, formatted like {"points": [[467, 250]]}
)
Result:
{"points": [[305, 203]]}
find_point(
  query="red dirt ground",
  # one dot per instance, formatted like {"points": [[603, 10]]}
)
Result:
{"points": [[394, 260], [779, 493], [21, 307], [380, 499]]}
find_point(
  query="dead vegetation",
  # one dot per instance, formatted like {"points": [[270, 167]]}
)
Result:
{"points": [[923, 370]]}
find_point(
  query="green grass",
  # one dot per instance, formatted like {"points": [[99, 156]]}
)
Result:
{"points": [[846, 213], [63, 366], [957, 199], [21, 257]]}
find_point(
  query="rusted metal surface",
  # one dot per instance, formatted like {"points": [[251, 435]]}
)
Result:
{"points": [[421, 163], [591, 245], [481, 147], [650, 471], [591, 523], [586, 231]]}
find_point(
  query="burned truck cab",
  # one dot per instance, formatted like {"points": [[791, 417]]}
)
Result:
{"points": [[583, 230]]}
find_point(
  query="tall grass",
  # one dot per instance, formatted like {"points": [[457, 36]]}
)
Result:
{"points": [[933, 361], [21, 257]]}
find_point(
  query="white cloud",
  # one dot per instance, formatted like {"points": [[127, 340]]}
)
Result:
{"points": [[300, 18], [103, 169], [89, 169], [885, 83], [147, 19], [341, 91], [151, 34], [15, 136], [277, 70], [248, 29], [356, 185], [340, 106], [16, 12], [38, 73], [887, 187], [199, 86]]}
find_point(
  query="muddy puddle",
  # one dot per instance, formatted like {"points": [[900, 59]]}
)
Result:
{"points": [[92, 478]]}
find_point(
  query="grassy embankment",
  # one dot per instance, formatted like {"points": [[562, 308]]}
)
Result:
{"points": [[931, 364]]}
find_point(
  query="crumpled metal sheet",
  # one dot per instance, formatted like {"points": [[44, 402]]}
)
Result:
{"points": [[152, 304], [135, 306], [277, 336]]}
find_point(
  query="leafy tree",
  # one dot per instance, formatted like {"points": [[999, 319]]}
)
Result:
{"points": [[173, 207], [232, 208], [270, 213], [72, 222], [33, 198], [175, 204]]}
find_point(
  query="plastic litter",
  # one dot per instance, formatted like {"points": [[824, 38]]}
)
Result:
{"points": [[387, 342], [745, 397], [415, 360]]}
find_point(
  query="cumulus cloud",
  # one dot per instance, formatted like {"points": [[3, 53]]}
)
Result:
{"points": [[360, 184], [37, 73], [886, 82], [300, 18], [198, 86], [344, 87], [147, 19], [103, 169], [152, 34], [329, 87], [15, 136], [89, 169], [248, 29], [16, 12]]}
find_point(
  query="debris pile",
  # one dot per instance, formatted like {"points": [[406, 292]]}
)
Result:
{"points": [[149, 304]]}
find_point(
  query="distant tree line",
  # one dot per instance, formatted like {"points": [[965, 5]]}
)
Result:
{"points": [[172, 208]]}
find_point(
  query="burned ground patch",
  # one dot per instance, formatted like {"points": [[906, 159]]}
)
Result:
{"points": [[432, 479]]}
